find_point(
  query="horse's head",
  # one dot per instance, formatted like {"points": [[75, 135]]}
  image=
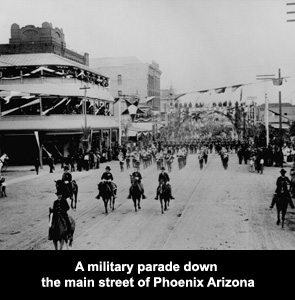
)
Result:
{"points": [[60, 186]]}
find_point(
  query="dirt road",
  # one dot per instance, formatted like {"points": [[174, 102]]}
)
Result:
{"points": [[214, 209]]}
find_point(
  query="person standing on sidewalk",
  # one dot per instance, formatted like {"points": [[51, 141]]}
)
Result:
{"points": [[37, 165], [51, 164]]}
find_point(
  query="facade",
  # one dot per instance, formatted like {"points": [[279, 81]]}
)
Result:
{"points": [[45, 39], [52, 105], [129, 76], [132, 79], [288, 114]]}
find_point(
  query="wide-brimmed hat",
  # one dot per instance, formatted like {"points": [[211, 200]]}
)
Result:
{"points": [[283, 171], [163, 169], [108, 168]]}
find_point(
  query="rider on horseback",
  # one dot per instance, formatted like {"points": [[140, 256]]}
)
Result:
{"points": [[164, 177], [282, 188], [67, 180], [107, 178], [137, 176], [61, 207]]}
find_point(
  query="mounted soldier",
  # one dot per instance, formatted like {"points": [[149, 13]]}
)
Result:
{"points": [[136, 175], [67, 180], [60, 207], [107, 178], [164, 179]]}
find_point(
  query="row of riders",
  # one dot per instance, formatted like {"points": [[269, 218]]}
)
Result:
{"points": [[108, 189]]}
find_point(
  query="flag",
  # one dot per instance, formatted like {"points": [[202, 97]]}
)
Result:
{"points": [[220, 90], [277, 81]]}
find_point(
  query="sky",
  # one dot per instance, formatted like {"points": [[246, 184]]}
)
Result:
{"points": [[199, 44]]}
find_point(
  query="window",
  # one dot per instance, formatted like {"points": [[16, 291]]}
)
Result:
{"points": [[119, 79]]}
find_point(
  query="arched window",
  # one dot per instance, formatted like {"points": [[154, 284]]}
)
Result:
{"points": [[119, 79]]}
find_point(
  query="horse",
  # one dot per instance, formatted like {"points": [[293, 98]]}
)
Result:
{"points": [[66, 193], [281, 201], [135, 193], [224, 159], [3, 162], [107, 196], [164, 195], [57, 230]]}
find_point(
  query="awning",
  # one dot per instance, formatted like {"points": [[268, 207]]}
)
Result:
{"points": [[62, 123], [68, 88]]}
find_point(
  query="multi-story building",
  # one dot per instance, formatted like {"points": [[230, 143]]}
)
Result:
{"points": [[50, 97], [131, 78], [288, 114]]}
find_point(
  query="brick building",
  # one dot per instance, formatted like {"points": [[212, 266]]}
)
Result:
{"points": [[49, 96]]}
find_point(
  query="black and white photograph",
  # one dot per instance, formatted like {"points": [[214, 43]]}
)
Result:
{"points": [[147, 125]]}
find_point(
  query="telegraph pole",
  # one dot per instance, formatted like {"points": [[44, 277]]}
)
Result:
{"points": [[84, 104], [265, 78]]}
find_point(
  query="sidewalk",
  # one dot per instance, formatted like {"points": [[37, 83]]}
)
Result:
{"points": [[15, 174]]}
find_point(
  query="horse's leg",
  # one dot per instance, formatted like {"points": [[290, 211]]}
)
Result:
{"points": [[113, 202], [61, 244], [161, 201], [139, 202], [70, 243], [105, 201], [284, 211], [76, 199], [134, 202], [278, 216], [55, 244]]}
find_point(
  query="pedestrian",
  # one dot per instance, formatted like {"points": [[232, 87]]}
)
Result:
{"points": [[37, 165], [51, 164], [201, 160]]}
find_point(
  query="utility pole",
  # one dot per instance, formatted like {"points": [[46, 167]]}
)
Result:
{"points": [[265, 78], [84, 104]]}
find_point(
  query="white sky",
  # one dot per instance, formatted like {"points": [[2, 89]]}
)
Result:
{"points": [[199, 44]]}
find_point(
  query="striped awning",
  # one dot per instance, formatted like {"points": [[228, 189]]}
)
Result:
{"points": [[68, 88]]}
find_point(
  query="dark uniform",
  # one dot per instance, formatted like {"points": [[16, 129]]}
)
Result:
{"points": [[282, 189], [61, 206], [137, 175], [164, 177], [109, 178], [67, 180]]}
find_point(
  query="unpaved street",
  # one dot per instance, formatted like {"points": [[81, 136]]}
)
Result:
{"points": [[214, 209]]}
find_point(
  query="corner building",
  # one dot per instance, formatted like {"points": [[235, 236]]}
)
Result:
{"points": [[49, 97]]}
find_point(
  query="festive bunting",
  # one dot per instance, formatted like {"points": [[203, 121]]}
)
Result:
{"points": [[6, 112], [220, 90], [53, 107], [132, 108]]}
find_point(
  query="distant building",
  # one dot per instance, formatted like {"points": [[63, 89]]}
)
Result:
{"points": [[129, 76], [288, 114]]}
